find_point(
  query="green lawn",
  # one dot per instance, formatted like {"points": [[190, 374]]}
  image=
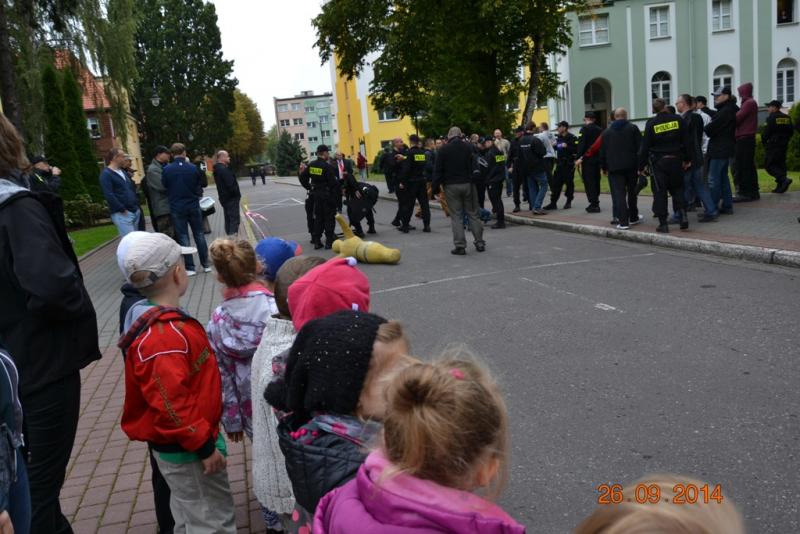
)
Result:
{"points": [[90, 238]]}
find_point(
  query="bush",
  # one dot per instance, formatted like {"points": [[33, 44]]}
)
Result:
{"points": [[793, 154], [81, 211]]}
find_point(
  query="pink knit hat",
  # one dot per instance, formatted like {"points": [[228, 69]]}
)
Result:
{"points": [[335, 285]]}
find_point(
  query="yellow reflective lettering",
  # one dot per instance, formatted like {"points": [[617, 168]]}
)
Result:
{"points": [[666, 127], [419, 157], [316, 171]]}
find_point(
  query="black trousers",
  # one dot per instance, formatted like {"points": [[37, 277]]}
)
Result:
{"points": [[230, 209], [480, 187], [161, 496], [263, 180], [518, 181], [667, 178], [564, 174], [746, 166], [49, 423], [338, 198], [253, 178], [775, 162], [310, 214], [549, 169], [412, 193], [496, 198], [625, 195], [591, 181], [324, 218], [355, 217]]}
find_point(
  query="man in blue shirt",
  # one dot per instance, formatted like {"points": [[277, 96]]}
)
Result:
{"points": [[183, 182], [120, 193]]}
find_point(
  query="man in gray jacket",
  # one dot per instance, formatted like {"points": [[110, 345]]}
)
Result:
{"points": [[157, 193]]}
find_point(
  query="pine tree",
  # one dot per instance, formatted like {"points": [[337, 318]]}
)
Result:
{"points": [[57, 139], [79, 135], [290, 155]]}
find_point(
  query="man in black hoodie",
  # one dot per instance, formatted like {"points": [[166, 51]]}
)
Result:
{"points": [[721, 132], [228, 191], [590, 165], [453, 171], [619, 157]]}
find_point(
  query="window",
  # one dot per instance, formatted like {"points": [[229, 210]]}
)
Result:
{"points": [[285, 122], [309, 109], [786, 12], [299, 136], [295, 106], [785, 82], [659, 22], [283, 108], [311, 124], [313, 139], [386, 143], [93, 126], [723, 75], [325, 133], [386, 114], [297, 122], [721, 19], [661, 86], [323, 119], [593, 30]]}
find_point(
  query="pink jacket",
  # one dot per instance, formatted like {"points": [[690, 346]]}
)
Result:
{"points": [[747, 116], [404, 504]]}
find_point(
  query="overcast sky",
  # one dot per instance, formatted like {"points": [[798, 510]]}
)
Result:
{"points": [[272, 45]]}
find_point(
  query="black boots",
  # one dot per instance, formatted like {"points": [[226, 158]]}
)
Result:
{"points": [[663, 227], [684, 219]]}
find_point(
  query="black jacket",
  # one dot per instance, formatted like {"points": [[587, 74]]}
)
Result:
{"points": [[694, 123], [777, 131], [453, 164], [531, 155], [227, 185], [721, 132], [319, 177], [47, 320], [496, 172], [664, 135], [412, 169], [566, 148], [586, 138], [619, 150], [315, 469]]}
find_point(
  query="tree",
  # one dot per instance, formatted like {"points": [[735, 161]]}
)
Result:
{"points": [[179, 57], [248, 139], [290, 153], [57, 140], [271, 144], [78, 135], [793, 152], [464, 77]]}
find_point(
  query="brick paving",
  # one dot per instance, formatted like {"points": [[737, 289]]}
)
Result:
{"points": [[108, 488]]}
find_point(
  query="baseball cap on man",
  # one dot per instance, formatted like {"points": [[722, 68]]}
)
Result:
{"points": [[565, 124], [273, 253], [322, 148], [775, 104], [148, 252], [722, 91], [38, 159]]}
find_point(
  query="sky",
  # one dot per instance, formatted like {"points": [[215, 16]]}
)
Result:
{"points": [[271, 43]]}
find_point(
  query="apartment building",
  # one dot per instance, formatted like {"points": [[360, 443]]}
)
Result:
{"points": [[309, 118]]}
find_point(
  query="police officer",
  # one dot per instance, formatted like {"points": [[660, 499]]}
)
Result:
{"points": [[320, 180], [777, 133], [665, 148], [590, 165], [411, 185], [495, 178], [564, 175], [43, 176], [517, 178]]}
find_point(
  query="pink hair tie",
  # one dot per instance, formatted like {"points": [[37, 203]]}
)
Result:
{"points": [[458, 374]]}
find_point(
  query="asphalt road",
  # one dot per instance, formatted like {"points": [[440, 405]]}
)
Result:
{"points": [[616, 359]]}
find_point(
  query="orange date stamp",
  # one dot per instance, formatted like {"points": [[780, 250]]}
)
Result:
{"points": [[651, 494]]}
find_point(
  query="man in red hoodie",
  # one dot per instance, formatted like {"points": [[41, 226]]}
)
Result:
{"points": [[746, 127]]}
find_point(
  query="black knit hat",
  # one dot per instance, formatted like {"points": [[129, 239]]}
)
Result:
{"points": [[327, 365]]}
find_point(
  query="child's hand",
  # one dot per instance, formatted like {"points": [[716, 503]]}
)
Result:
{"points": [[235, 437], [214, 463]]}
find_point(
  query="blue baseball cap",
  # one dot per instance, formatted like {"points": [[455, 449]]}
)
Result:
{"points": [[273, 253]]}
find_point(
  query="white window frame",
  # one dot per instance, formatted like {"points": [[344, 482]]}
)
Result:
{"points": [[313, 139], [295, 106], [283, 108], [285, 123], [323, 119], [297, 121], [96, 132], [387, 115], [719, 15], [311, 124], [659, 11], [593, 30], [781, 85], [309, 109], [299, 136], [325, 133], [658, 86], [719, 81], [793, 14]]}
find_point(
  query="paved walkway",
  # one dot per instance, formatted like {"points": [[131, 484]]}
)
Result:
{"points": [[770, 222], [108, 488]]}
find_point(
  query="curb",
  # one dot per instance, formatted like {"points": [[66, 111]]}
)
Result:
{"points": [[98, 248], [770, 256]]}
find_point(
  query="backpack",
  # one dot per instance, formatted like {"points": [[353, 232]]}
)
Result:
{"points": [[369, 192], [480, 167]]}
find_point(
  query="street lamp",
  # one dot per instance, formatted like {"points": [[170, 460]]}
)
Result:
{"points": [[155, 99]]}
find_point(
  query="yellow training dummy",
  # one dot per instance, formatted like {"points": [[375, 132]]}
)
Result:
{"points": [[363, 251]]}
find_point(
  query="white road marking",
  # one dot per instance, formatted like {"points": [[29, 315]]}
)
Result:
{"points": [[598, 305], [285, 203], [527, 268]]}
